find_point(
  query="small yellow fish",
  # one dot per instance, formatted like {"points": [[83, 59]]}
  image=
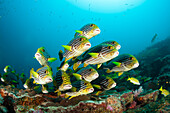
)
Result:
{"points": [[134, 80], [164, 92]]}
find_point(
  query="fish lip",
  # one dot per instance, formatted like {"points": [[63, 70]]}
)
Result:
{"points": [[2, 80], [91, 90], [118, 47], [68, 86], [113, 85], [37, 55], [135, 65], [88, 44], [97, 31]]}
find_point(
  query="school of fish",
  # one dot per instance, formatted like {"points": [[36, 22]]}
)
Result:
{"points": [[71, 78]]}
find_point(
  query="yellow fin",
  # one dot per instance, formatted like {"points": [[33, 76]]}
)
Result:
{"points": [[160, 88], [34, 82], [99, 92], [78, 31], [94, 55], [117, 64], [67, 47], [51, 59], [120, 73], [96, 86], [78, 76], [108, 71], [85, 65], [98, 66], [66, 96], [76, 65], [73, 89]]}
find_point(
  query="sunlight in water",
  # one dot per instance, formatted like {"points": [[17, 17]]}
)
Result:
{"points": [[106, 6]]}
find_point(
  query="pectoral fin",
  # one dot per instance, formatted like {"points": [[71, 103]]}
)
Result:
{"points": [[78, 76], [51, 59], [108, 71], [67, 47], [34, 57], [78, 31], [120, 73], [96, 86], [98, 66], [99, 92], [33, 73], [85, 65], [94, 55], [14, 81], [118, 64]]}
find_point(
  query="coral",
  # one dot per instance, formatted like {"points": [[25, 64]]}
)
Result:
{"points": [[148, 97], [138, 91]]}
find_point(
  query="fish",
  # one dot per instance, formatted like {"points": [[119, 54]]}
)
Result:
{"points": [[97, 55], [154, 37], [80, 87], [120, 64], [76, 47], [62, 81], [43, 57], [113, 43], [104, 82], [63, 66], [88, 31], [133, 80], [42, 76], [9, 68], [10, 78], [164, 92], [88, 73]]}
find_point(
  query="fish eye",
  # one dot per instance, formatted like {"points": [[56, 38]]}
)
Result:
{"points": [[110, 47], [82, 39], [113, 42], [90, 69], [85, 83], [43, 50], [131, 58], [91, 25]]}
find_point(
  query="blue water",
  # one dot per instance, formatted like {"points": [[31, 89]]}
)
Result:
{"points": [[26, 25]]}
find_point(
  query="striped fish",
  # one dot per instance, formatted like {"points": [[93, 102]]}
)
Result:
{"points": [[43, 57], [80, 87], [89, 31], [104, 83], [77, 46], [122, 63], [102, 53], [63, 81], [87, 73], [113, 43], [42, 75]]}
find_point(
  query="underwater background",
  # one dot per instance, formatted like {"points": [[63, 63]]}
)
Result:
{"points": [[141, 27], [28, 25]]}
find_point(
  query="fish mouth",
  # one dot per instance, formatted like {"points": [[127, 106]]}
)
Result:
{"points": [[37, 55], [97, 31], [88, 45], [68, 86], [91, 90], [113, 85], [2, 80], [118, 47], [96, 75], [116, 53], [136, 65]]}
